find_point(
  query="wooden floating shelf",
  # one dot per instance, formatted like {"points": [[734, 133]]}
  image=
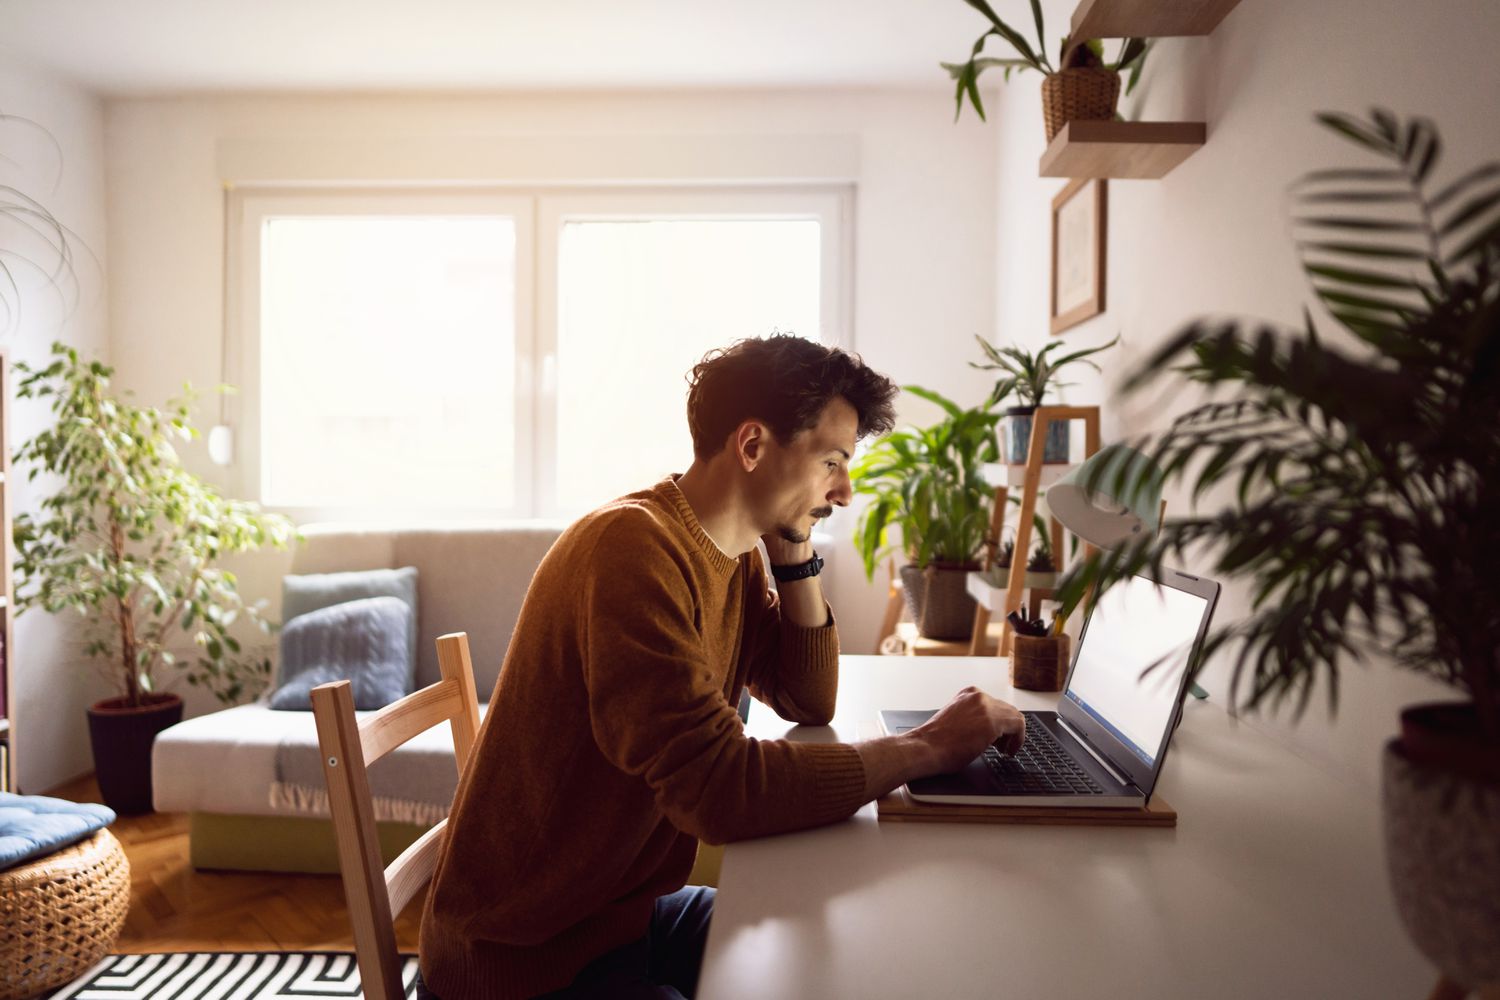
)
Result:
{"points": [[1148, 18], [1127, 150]]}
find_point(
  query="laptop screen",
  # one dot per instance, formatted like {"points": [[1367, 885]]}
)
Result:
{"points": [[1135, 624]]}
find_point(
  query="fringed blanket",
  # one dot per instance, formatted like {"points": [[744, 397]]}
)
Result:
{"points": [[413, 784]]}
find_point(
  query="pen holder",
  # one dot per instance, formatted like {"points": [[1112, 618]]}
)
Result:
{"points": [[1039, 663]]}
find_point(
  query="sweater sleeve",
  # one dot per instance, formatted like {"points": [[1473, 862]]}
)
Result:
{"points": [[656, 710], [793, 668]]}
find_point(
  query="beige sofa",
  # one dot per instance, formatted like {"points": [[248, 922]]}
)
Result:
{"points": [[222, 768]]}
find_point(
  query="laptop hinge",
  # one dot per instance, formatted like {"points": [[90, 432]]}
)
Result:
{"points": [[1083, 742]]}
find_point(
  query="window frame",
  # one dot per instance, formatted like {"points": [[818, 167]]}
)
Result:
{"points": [[539, 213]]}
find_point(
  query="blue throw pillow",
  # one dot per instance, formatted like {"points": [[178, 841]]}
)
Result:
{"points": [[312, 591], [34, 825], [362, 641]]}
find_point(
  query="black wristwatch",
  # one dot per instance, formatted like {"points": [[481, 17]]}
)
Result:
{"points": [[798, 571]]}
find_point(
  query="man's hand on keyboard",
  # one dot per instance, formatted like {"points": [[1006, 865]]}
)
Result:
{"points": [[972, 721]]}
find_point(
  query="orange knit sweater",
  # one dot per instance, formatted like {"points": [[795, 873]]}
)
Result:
{"points": [[612, 744]]}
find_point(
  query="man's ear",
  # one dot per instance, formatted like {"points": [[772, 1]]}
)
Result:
{"points": [[749, 443]]}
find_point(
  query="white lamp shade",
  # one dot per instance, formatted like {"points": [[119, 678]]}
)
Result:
{"points": [[1123, 503]]}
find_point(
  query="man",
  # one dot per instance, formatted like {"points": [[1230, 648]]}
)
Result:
{"points": [[612, 745]]}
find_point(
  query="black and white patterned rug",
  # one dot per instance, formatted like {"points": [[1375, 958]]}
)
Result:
{"points": [[210, 975]]}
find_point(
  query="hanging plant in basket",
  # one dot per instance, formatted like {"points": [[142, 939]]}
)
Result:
{"points": [[1082, 85]]}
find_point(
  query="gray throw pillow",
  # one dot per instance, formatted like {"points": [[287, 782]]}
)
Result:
{"points": [[311, 591], [363, 641]]}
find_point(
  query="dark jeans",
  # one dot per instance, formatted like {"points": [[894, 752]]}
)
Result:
{"points": [[663, 965]]}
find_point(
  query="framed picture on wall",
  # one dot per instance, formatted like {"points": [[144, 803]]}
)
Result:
{"points": [[1078, 241]]}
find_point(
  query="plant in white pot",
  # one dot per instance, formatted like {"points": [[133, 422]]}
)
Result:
{"points": [[1083, 85], [1365, 512], [928, 484], [130, 541], [1028, 376]]}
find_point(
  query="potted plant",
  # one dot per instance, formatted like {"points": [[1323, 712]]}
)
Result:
{"points": [[130, 540], [1041, 568], [928, 484], [1082, 85], [1027, 376], [1366, 483]]}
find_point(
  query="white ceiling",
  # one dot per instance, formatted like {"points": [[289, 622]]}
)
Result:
{"points": [[143, 47]]}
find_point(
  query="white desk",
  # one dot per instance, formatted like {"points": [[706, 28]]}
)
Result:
{"points": [[1272, 884]]}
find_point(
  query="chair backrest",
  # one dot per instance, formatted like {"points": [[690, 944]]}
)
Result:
{"points": [[376, 894]]}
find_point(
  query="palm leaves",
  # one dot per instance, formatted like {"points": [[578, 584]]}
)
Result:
{"points": [[928, 483], [1365, 482], [966, 74], [1028, 375]]}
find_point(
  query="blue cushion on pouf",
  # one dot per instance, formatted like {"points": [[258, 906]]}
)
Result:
{"points": [[363, 641], [32, 826]]}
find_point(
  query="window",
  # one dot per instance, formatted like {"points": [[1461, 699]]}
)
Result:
{"points": [[393, 365]]}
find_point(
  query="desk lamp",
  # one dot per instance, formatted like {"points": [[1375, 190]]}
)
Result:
{"points": [[1110, 500]]}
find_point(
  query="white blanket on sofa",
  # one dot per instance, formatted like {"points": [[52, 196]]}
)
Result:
{"points": [[227, 761]]}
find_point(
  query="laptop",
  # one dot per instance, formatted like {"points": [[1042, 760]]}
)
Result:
{"points": [[1104, 745]]}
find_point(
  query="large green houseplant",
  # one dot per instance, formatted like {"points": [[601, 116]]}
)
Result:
{"points": [[131, 541], [1365, 508], [1027, 376], [928, 484], [1082, 84]]}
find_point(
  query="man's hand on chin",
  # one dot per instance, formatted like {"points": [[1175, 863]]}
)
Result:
{"points": [[785, 553]]}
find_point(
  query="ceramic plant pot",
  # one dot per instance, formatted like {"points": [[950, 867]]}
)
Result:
{"points": [[1442, 835], [938, 598], [122, 738], [1017, 438]]}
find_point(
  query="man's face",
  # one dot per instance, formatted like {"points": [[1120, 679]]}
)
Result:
{"points": [[809, 475]]}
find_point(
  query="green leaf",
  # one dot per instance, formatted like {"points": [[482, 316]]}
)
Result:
{"points": [[1355, 131], [1350, 276]]}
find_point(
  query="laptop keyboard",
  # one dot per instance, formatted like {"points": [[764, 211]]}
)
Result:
{"points": [[1041, 767]]}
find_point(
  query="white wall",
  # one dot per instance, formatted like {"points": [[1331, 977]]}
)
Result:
{"points": [[53, 682], [1213, 236], [923, 262]]}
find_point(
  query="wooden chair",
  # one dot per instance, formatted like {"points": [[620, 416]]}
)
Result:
{"points": [[375, 894]]}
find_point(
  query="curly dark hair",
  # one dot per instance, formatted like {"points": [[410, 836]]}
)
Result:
{"points": [[786, 381]]}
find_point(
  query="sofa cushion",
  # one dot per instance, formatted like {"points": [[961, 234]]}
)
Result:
{"points": [[32, 826], [313, 591], [364, 641]]}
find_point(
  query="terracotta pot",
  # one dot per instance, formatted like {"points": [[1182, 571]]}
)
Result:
{"points": [[938, 598], [1442, 835], [122, 737]]}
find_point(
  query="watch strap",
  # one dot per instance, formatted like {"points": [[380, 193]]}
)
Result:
{"points": [[798, 571]]}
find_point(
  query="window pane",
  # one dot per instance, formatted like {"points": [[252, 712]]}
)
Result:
{"points": [[639, 304], [388, 362]]}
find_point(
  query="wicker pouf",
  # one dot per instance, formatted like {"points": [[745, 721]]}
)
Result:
{"points": [[61, 914]]}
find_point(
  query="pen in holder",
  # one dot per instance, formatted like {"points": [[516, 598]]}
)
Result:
{"points": [[1039, 663]]}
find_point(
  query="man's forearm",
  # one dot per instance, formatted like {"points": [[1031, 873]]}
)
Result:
{"points": [[891, 761], [802, 602]]}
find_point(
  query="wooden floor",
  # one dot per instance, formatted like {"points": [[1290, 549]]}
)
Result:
{"points": [[175, 908]]}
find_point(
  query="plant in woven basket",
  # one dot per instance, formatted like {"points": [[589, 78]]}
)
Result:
{"points": [[130, 539], [1083, 84], [1367, 483]]}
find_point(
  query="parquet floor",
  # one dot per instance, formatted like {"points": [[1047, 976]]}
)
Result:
{"points": [[175, 908]]}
